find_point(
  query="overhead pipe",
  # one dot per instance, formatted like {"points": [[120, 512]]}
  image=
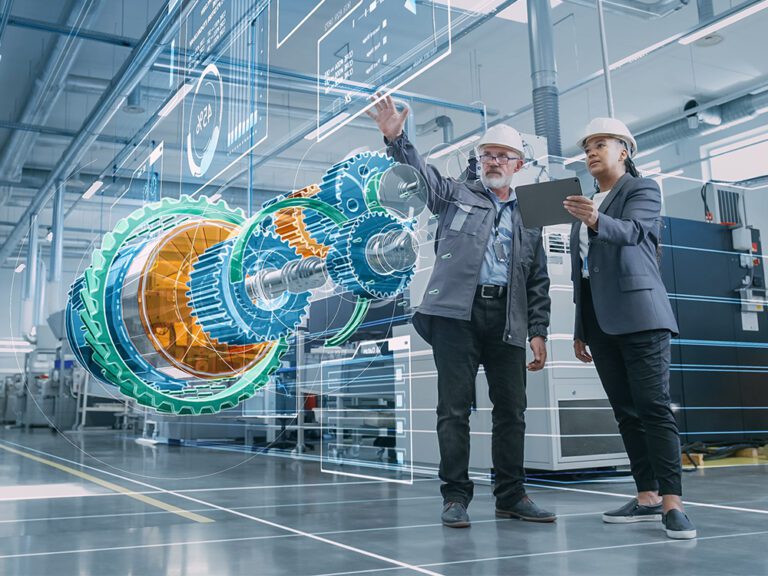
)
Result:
{"points": [[706, 10], [606, 62], [130, 74], [546, 104], [441, 122], [55, 291], [27, 324], [46, 90], [738, 110]]}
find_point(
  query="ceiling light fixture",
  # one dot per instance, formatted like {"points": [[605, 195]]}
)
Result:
{"points": [[93, 189], [170, 106]]}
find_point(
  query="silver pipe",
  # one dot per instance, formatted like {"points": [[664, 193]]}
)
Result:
{"points": [[546, 104], [130, 74], [47, 89], [57, 228], [706, 10], [38, 303], [606, 62], [30, 274]]}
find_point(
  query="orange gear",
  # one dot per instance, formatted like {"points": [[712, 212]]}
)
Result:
{"points": [[289, 224]]}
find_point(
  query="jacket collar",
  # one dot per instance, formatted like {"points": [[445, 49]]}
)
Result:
{"points": [[620, 183]]}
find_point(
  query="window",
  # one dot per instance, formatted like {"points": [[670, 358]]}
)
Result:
{"points": [[741, 159]]}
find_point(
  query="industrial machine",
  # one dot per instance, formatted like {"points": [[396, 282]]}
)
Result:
{"points": [[188, 305], [715, 276]]}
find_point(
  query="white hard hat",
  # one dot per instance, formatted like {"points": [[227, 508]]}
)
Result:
{"points": [[609, 127], [502, 135]]}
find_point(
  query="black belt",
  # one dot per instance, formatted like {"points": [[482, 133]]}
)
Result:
{"points": [[490, 291]]}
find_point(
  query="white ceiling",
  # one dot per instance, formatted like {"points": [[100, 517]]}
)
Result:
{"points": [[489, 64]]}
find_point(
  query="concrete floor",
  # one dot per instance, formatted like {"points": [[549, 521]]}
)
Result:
{"points": [[99, 504]]}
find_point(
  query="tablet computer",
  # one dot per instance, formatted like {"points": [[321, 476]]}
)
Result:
{"points": [[542, 204]]}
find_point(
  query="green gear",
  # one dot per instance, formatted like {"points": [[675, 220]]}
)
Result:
{"points": [[158, 216]]}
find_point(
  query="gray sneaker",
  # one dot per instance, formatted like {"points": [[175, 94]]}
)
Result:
{"points": [[633, 511], [455, 515], [678, 525]]}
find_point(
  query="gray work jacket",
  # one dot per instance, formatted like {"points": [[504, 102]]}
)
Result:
{"points": [[465, 221]]}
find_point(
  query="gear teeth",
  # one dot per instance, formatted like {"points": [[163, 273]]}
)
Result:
{"points": [[241, 321], [343, 187], [347, 263], [290, 226], [158, 216]]}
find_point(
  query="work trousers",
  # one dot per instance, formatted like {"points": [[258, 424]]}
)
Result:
{"points": [[634, 370], [459, 348]]}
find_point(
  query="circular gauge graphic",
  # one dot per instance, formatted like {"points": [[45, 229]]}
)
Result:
{"points": [[205, 121]]}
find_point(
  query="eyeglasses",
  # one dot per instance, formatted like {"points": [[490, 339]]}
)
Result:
{"points": [[500, 160]]}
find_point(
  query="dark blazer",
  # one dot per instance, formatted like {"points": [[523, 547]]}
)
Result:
{"points": [[627, 290]]}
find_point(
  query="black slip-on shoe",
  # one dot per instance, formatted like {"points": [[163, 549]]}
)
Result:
{"points": [[455, 515], [678, 525], [633, 511], [525, 509]]}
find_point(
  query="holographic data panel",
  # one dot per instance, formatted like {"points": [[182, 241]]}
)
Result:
{"points": [[368, 412], [379, 44], [291, 15], [227, 64]]}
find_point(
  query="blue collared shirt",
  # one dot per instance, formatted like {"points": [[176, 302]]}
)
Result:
{"points": [[492, 271]]}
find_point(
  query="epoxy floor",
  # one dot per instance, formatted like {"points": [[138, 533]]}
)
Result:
{"points": [[99, 504]]}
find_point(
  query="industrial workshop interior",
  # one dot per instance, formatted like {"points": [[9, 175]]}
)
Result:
{"points": [[245, 318]]}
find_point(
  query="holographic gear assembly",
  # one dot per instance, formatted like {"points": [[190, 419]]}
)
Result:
{"points": [[188, 307]]}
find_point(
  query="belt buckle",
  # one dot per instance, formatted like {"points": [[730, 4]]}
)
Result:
{"points": [[493, 294]]}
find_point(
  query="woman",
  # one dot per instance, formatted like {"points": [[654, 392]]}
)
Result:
{"points": [[624, 316]]}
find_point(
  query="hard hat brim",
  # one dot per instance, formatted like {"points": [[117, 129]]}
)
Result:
{"points": [[623, 137]]}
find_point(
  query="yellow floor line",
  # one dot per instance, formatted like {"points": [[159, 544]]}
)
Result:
{"points": [[114, 487]]}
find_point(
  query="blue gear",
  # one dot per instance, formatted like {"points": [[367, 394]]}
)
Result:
{"points": [[343, 186], [348, 265], [224, 309]]}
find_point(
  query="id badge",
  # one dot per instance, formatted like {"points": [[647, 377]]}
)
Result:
{"points": [[500, 251]]}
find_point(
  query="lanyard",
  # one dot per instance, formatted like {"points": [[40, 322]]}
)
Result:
{"points": [[499, 214]]}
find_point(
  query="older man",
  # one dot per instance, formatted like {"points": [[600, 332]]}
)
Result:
{"points": [[488, 293]]}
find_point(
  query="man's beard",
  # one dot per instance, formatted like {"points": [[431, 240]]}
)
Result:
{"points": [[495, 182]]}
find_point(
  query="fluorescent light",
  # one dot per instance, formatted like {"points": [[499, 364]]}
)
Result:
{"points": [[93, 189], [20, 268], [174, 101], [327, 125], [214, 198], [453, 147], [642, 53], [156, 153], [723, 22]]}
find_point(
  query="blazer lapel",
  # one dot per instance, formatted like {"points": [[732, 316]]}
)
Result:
{"points": [[614, 192]]}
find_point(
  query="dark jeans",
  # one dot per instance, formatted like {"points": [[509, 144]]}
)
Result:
{"points": [[634, 370], [459, 347]]}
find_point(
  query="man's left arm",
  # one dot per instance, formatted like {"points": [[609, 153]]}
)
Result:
{"points": [[539, 303], [537, 288]]}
